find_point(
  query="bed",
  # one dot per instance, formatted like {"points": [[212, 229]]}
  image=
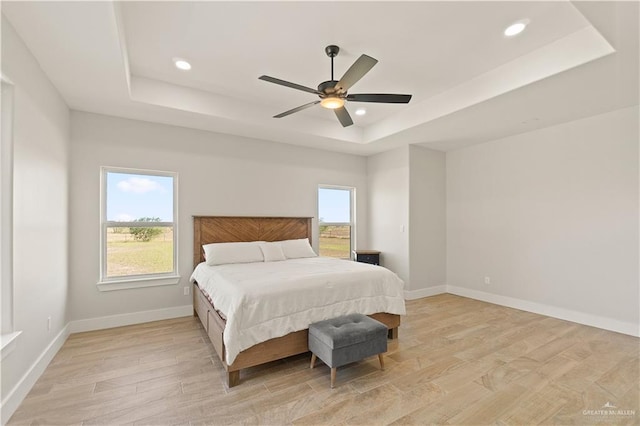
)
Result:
{"points": [[217, 229]]}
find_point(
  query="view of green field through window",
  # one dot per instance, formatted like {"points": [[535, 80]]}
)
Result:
{"points": [[334, 211], [335, 241], [127, 255], [139, 227]]}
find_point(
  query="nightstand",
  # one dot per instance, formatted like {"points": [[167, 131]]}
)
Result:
{"points": [[367, 256]]}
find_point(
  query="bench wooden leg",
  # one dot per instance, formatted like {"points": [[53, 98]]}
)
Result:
{"points": [[313, 360], [333, 377], [381, 358]]}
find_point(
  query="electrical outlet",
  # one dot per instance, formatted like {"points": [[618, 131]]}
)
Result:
{"points": [[186, 291], [48, 323], [487, 280]]}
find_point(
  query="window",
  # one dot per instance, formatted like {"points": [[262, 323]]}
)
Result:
{"points": [[6, 213], [139, 231], [336, 221]]}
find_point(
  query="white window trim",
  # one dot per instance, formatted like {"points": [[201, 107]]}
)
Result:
{"points": [[352, 213], [8, 335], [135, 281], [8, 343], [138, 283]]}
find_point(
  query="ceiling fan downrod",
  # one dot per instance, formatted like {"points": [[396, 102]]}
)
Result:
{"points": [[332, 52]]}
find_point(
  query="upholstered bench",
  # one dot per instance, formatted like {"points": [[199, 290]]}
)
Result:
{"points": [[340, 341]]}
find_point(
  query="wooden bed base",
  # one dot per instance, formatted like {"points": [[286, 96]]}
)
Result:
{"points": [[217, 229]]}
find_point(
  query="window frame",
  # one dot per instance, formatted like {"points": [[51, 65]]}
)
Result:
{"points": [[106, 283], [8, 334], [352, 215]]}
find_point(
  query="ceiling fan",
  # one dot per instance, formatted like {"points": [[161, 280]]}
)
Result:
{"points": [[333, 94]]}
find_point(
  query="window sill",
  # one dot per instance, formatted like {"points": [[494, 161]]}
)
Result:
{"points": [[138, 283], [8, 343]]}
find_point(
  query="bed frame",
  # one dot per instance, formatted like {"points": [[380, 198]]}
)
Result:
{"points": [[221, 229]]}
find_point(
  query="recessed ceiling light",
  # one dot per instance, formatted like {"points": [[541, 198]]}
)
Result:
{"points": [[516, 28], [181, 64], [361, 111]]}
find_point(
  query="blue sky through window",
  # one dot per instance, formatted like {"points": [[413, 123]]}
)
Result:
{"points": [[132, 196], [334, 205]]}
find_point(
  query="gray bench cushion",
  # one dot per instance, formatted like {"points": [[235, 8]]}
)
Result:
{"points": [[347, 330], [347, 339]]}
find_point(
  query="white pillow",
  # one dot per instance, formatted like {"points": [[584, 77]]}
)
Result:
{"points": [[295, 249], [272, 252], [222, 253]]}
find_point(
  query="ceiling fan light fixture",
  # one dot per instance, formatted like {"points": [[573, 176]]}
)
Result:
{"points": [[332, 102]]}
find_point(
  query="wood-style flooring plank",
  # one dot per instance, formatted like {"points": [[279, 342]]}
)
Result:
{"points": [[457, 361]]}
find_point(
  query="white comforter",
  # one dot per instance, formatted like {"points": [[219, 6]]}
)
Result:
{"points": [[264, 300]]}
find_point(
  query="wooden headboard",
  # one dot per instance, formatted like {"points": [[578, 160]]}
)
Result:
{"points": [[226, 229]]}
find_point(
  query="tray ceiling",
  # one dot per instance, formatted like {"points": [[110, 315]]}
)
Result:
{"points": [[469, 82]]}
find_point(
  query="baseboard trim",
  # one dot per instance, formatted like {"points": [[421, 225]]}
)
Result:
{"points": [[550, 311], [15, 397], [111, 321], [424, 292]]}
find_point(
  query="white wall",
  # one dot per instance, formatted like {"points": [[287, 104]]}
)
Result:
{"points": [[388, 180], [407, 216], [40, 235], [427, 219], [217, 174], [551, 217]]}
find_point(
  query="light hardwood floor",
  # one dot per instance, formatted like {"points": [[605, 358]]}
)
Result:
{"points": [[457, 361]]}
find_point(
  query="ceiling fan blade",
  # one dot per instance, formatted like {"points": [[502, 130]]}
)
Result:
{"points": [[359, 68], [343, 116], [288, 84], [386, 98], [300, 108]]}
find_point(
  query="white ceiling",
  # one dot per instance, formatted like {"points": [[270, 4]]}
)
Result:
{"points": [[469, 83]]}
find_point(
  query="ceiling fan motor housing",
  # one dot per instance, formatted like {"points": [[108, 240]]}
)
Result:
{"points": [[328, 88]]}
